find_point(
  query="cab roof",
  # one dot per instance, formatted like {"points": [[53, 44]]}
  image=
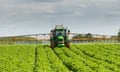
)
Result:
{"points": [[59, 27]]}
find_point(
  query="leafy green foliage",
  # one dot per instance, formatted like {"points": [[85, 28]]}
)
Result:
{"points": [[79, 58], [16, 58]]}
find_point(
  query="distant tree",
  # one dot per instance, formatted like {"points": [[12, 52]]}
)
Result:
{"points": [[78, 36], [88, 35], [119, 35]]}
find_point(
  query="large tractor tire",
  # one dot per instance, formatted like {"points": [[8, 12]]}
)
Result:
{"points": [[52, 45], [67, 44]]}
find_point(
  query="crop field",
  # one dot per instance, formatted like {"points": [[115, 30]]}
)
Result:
{"points": [[78, 58]]}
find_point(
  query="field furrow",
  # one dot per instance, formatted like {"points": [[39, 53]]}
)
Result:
{"points": [[78, 58]]}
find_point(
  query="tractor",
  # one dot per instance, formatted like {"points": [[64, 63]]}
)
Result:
{"points": [[59, 37]]}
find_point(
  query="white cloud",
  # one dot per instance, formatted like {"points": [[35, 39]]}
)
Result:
{"points": [[77, 13]]}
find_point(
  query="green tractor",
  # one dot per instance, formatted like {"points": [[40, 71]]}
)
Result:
{"points": [[59, 37]]}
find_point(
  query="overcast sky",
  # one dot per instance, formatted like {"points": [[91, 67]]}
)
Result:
{"points": [[19, 17]]}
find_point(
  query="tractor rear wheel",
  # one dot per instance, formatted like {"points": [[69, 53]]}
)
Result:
{"points": [[67, 44], [52, 45]]}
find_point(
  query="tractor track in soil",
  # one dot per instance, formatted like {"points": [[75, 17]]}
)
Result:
{"points": [[62, 61], [35, 60]]}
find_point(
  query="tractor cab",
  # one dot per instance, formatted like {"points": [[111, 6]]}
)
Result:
{"points": [[60, 33], [59, 29], [59, 36]]}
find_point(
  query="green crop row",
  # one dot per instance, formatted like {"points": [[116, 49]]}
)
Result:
{"points": [[56, 64], [16, 58], [78, 58], [42, 62], [95, 64], [94, 53], [73, 62]]}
